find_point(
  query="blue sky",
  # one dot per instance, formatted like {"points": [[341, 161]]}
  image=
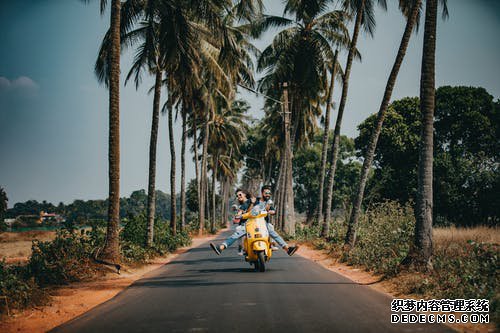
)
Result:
{"points": [[53, 113]]}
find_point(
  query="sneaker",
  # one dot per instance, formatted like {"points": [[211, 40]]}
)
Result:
{"points": [[240, 253], [292, 249], [216, 248], [274, 248]]}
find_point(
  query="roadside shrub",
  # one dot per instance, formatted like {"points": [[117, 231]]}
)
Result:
{"points": [[194, 224], [97, 233], [135, 229], [20, 290], [134, 253], [164, 239], [63, 260], [383, 238], [304, 233], [468, 270], [134, 234]]}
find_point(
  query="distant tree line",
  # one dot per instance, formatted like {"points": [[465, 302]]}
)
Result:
{"points": [[82, 211]]}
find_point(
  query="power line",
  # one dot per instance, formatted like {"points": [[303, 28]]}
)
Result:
{"points": [[259, 93]]}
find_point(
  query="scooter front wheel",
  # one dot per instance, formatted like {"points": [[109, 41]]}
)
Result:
{"points": [[261, 262]]}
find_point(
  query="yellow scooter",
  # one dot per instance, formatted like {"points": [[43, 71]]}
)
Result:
{"points": [[256, 244]]}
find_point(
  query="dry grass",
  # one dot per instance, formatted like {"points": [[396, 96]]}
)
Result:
{"points": [[16, 246], [453, 235]]}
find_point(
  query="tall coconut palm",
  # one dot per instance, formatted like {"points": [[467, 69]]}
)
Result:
{"points": [[111, 250], [148, 58], [335, 73], [226, 133], [183, 28], [3, 203], [411, 9], [173, 197], [299, 55], [421, 251], [226, 59], [183, 167], [363, 10]]}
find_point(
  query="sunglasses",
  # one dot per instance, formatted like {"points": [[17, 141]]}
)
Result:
{"points": [[239, 195]]}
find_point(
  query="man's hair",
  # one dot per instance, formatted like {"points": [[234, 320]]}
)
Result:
{"points": [[266, 187]]}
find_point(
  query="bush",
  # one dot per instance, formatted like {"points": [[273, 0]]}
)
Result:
{"points": [[164, 239], [20, 290], [134, 234], [468, 271], [65, 259], [304, 233], [68, 258], [384, 237]]}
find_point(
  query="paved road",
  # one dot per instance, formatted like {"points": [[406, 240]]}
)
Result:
{"points": [[202, 292]]}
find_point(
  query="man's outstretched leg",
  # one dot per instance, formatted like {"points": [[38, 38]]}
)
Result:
{"points": [[290, 250]]}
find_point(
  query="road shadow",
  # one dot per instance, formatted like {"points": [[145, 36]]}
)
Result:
{"points": [[190, 283], [204, 260]]}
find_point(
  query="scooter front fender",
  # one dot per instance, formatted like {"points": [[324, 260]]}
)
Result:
{"points": [[259, 246]]}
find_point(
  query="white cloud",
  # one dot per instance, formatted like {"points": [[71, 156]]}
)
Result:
{"points": [[4, 83], [22, 84]]}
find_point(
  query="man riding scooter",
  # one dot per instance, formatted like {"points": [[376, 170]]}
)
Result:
{"points": [[240, 230], [266, 201]]}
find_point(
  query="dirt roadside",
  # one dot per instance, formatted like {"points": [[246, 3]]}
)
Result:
{"points": [[375, 281], [71, 301]]}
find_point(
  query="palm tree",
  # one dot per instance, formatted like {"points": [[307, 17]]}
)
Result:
{"points": [[183, 27], [3, 203], [227, 134], [421, 250], [148, 58], [111, 250], [173, 200], [364, 17], [299, 56], [183, 168], [411, 9], [335, 73], [226, 63]]}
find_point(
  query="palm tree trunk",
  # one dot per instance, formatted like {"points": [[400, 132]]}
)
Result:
{"points": [[279, 194], [173, 201], [421, 251], [203, 180], [222, 194], [226, 201], [350, 237], [214, 181], [152, 159], [269, 175], [324, 150], [111, 250], [207, 199], [183, 167], [195, 148], [289, 209], [336, 136]]}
